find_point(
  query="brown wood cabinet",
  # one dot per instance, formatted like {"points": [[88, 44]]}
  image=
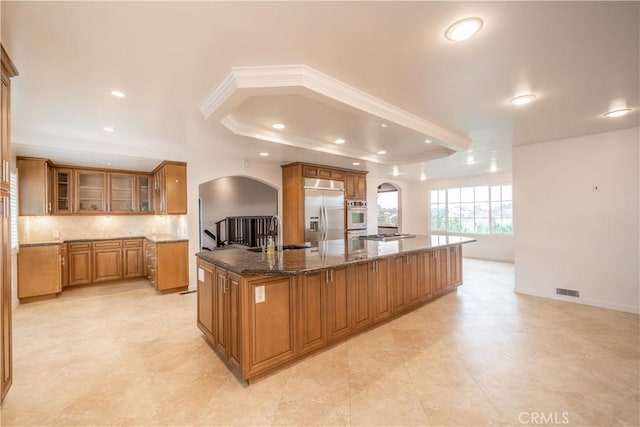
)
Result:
{"points": [[80, 263], [132, 258], [107, 260], [64, 264], [39, 271], [91, 191], [381, 288], [167, 265], [257, 323], [293, 175], [6, 344], [122, 193], [62, 192], [35, 177], [355, 186], [170, 188]]}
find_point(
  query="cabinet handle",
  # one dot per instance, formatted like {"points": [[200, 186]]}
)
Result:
{"points": [[61, 260]]}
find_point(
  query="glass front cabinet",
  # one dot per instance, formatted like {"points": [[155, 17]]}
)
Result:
{"points": [[121, 193], [62, 191], [90, 194], [144, 193]]}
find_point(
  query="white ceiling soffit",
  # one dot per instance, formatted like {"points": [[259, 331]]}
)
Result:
{"points": [[317, 109]]}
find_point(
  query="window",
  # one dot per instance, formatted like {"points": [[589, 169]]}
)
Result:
{"points": [[482, 209], [388, 209]]}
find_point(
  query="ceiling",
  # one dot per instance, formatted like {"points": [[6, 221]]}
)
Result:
{"points": [[579, 58]]}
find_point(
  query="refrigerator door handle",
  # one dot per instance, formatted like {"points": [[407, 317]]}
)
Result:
{"points": [[326, 222], [321, 222]]}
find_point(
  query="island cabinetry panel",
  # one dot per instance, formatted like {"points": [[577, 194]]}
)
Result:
{"points": [[221, 311], [80, 264], [35, 176], [338, 303], [411, 278], [311, 313], [381, 289], [270, 320], [132, 259], [454, 266], [107, 260], [428, 270], [39, 271], [396, 278], [361, 296], [206, 299]]}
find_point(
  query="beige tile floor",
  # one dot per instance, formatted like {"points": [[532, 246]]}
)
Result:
{"points": [[123, 355]]}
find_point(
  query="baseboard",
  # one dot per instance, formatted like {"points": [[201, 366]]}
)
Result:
{"points": [[584, 301]]}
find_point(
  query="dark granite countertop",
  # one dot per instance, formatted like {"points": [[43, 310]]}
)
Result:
{"points": [[161, 238], [328, 254]]}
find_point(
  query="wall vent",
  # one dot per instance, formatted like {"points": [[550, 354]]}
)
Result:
{"points": [[568, 292]]}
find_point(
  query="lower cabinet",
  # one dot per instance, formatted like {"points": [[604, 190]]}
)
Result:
{"points": [[257, 323], [39, 271], [132, 259], [107, 260], [80, 264], [167, 265]]}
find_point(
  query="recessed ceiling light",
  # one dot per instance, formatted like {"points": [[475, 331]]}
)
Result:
{"points": [[428, 141], [264, 154], [463, 29], [106, 163], [493, 168], [617, 113], [117, 93], [423, 177], [356, 163], [384, 125], [396, 171], [382, 152], [108, 129], [523, 99], [278, 126], [470, 160], [339, 141]]}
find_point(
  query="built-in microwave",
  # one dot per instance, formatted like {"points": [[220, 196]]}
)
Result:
{"points": [[356, 215]]}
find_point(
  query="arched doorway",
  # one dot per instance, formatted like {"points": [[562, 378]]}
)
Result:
{"points": [[229, 207], [389, 208]]}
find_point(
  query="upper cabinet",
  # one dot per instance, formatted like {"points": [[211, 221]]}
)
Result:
{"points": [[170, 188], [355, 186], [35, 189], [91, 192], [45, 189]]}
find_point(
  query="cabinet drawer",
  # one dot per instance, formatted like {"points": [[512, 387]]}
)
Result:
{"points": [[107, 244], [133, 243], [81, 246]]}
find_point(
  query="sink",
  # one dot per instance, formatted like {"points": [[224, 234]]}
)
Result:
{"points": [[284, 248]]}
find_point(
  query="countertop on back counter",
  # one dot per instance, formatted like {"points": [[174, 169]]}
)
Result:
{"points": [[328, 254], [160, 238]]}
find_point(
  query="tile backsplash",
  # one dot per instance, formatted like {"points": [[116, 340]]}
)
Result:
{"points": [[44, 228]]}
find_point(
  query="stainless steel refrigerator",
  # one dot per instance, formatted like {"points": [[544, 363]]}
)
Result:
{"points": [[323, 210]]}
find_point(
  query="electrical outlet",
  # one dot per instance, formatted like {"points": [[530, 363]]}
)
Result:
{"points": [[259, 291], [56, 234]]}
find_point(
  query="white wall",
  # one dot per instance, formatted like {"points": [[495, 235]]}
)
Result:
{"points": [[373, 182], [417, 217], [567, 235]]}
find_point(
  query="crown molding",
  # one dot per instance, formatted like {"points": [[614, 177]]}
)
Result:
{"points": [[242, 82]]}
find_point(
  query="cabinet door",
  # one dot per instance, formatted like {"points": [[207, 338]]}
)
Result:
{"points": [[396, 279], [107, 265], [132, 263], [427, 273], [206, 299], [455, 265], [379, 273], [33, 195], [79, 267], [311, 299], [361, 186], [175, 189], [144, 191], [361, 295], [349, 186], [64, 265], [338, 303], [121, 193], [410, 270], [90, 192], [235, 342], [221, 323], [62, 191], [39, 271]]}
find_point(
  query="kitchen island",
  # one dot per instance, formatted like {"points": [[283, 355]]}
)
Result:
{"points": [[259, 311]]}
